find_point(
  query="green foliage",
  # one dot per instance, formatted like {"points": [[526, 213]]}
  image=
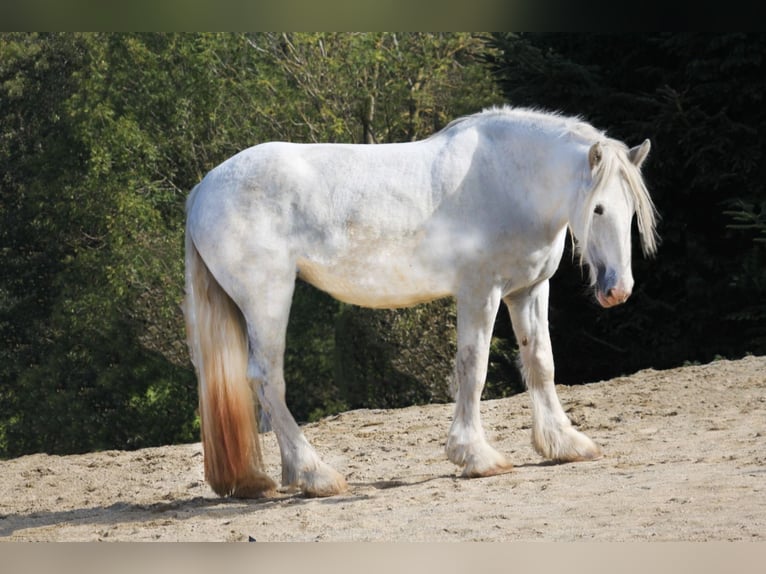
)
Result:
{"points": [[312, 390], [94, 354], [394, 359], [372, 87], [749, 217], [103, 136]]}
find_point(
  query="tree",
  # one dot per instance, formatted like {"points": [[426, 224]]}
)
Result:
{"points": [[103, 136], [36, 72], [103, 363], [373, 87]]}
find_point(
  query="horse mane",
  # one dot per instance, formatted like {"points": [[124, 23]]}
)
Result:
{"points": [[564, 125], [615, 158]]}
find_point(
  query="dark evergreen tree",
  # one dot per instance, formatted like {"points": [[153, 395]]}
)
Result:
{"points": [[699, 97]]}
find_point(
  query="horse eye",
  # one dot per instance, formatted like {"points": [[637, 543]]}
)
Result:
{"points": [[599, 209]]}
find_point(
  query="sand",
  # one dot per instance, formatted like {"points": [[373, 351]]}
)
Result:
{"points": [[685, 460]]}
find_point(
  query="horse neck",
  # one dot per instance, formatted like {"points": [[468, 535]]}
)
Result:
{"points": [[547, 165], [562, 174]]}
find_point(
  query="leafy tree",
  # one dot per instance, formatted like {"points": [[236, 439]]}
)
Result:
{"points": [[97, 261], [35, 72], [103, 136], [374, 87]]}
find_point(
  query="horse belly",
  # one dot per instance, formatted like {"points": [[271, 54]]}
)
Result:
{"points": [[382, 284]]}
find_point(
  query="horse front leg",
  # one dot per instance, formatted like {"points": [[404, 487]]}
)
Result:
{"points": [[552, 433], [467, 445]]}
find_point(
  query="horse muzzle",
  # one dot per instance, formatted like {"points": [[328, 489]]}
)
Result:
{"points": [[612, 297], [611, 291]]}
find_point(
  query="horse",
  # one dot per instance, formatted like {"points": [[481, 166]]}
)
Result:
{"points": [[479, 211]]}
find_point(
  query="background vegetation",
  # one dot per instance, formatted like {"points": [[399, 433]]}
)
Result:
{"points": [[102, 136]]}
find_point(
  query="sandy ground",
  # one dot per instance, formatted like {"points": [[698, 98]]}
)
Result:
{"points": [[685, 461]]}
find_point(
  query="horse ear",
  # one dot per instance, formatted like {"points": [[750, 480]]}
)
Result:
{"points": [[638, 154], [594, 155]]}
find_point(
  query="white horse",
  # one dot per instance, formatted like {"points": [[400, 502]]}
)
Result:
{"points": [[479, 211]]}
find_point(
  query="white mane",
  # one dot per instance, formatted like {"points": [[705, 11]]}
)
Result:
{"points": [[572, 126]]}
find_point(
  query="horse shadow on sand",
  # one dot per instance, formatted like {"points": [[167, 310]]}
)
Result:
{"points": [[189, 508]]}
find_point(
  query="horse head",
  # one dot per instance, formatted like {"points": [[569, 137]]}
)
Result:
{"points": [[617, 194]]}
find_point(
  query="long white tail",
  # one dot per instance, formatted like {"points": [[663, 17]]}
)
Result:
{"points": [[217, 338]]}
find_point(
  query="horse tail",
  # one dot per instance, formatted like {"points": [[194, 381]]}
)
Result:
{"points": [[217, 338]]}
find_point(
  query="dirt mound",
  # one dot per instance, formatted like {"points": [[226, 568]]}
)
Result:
{"points": [[685, 460]]}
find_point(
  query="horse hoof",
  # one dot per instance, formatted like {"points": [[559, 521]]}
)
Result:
{"points": [[257, 486], [330, 488], [321, 482], [566, 445]]}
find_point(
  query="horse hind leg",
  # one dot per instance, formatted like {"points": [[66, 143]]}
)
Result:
{"points": [[267, 319]]}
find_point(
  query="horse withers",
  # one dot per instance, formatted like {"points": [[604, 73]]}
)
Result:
{"points": [[478, 211]]}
